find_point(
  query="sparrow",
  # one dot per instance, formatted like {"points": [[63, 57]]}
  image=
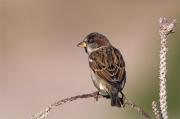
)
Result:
{"points": [[107, 67]]}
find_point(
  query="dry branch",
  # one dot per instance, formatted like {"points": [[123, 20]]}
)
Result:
{"points": [[43, 114]]}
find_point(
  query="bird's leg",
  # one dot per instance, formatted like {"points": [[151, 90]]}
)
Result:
{"points": [[97, 95]]}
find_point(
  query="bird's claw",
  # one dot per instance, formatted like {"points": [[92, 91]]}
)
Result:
{"points": [[96, 96]]}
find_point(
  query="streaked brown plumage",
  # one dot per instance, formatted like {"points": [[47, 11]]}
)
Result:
{"points": [[107, 67]]}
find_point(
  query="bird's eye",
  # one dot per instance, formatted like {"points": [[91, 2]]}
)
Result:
{"points": [[91, 40]]}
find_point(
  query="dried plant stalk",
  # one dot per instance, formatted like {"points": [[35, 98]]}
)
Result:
{"points": [[156, 110], [137, 108], [166, 27], [43, 114]]}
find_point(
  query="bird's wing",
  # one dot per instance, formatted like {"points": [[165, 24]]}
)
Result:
{"points": [[108, 64]]}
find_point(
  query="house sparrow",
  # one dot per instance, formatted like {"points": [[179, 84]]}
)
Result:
{"points": [[107, 67]]}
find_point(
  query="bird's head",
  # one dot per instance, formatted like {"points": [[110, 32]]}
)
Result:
{"points": [[94, 41]]}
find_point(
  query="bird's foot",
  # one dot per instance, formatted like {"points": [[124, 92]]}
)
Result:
{"points": [[97, 96]]}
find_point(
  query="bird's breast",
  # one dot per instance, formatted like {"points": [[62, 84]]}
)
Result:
{"points": [[99, 83]]}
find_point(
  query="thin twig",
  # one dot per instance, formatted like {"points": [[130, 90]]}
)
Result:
{"points": [[166, 27], [43, 114], [137, 108]]}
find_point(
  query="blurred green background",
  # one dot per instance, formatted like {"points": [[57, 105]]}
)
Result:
{"points": [[40, 63]]}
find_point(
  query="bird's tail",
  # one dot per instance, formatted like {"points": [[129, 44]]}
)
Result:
{"points": [[116, 100]]}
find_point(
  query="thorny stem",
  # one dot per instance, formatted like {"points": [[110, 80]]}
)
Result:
{"points": [[43, 114]]}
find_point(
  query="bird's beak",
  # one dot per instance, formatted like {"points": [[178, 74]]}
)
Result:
{"points": [[82, 44]]}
